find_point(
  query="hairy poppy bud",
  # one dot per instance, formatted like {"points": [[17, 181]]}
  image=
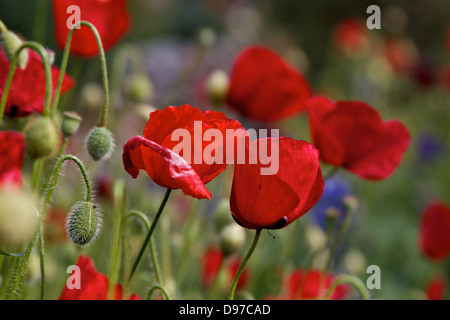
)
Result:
{"points": [[232, 238], [216, 86], [83, 223], [70, 123], [99, 143], [222, 216], [11, 42], [17, 217], [139, 87], [42, 137]]}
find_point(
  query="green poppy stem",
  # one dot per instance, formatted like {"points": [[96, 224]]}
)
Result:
{"points": [[354, 281], [243, 263], [149, 233]]}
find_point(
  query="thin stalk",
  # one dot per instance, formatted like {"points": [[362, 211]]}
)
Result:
{"points": [[149, 233], [243, 263], [352, 280], [160, 288], [12, 68]]}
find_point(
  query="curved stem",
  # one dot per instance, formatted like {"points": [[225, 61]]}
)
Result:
{"points": [[47, 71], [354, 281], [20, 267], [149, 233], [104, 115], [243, 263], [158, 287]]}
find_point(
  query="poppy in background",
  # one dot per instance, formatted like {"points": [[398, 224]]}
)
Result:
{"points": [[352, 135], [264, 87], [93, 285], [275, 200], [435, 231], [311, 284], [350, 35], [12, 148], [110, 17], [27, 91], [436, 288], [153, 152]]}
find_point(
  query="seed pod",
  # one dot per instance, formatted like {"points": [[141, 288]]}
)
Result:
{"points": [[100, 143], [83, 223]]}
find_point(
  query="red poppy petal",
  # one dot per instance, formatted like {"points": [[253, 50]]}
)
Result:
{"points": [[110, 18], [264, 87], [12, 147], [173, 171], [435, 231]]}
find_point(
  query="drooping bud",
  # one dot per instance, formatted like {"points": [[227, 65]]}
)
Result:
{"points": [[42, 137], [18, 216], [232, 238], [222, 216], [216, 86], [83, 223], [11, 42], [100, 143], [139, 87], [70, 123]]}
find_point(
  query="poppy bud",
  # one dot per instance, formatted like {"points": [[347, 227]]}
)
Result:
{"points": [[350, 202], [70, 123], [222, 216], [99, 143], [11, 42], [315, 237], [42, 137], [139, 87], [216, 86], [83, 223], [206, 37], [232, 238], [332, 215], [17, 217]]}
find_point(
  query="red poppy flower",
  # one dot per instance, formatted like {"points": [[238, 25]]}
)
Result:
{"points": [[352, 135], [436, 288], [27, 92], [110, 17], [400, 55], [93, 285], [212, 260], [272, 201], [264, 87], [312, 284], [435, 231], [153, 152], [350, 34], [12, 148]]}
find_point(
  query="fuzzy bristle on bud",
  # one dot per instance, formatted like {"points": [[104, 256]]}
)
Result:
{"points": [[42, 137], [11, 42], [83, 223], [99, 143]]}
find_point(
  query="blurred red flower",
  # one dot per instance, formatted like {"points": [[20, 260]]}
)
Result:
{"points": [[110, 17], [311, 284], [27, 92], [212, 260], [273, 201], [350, 35], [445, 77], [12, 148], [435, 231], [153, 152], [436, 288], [400, 55], [352, 135], [265, 87], [93, 285]]}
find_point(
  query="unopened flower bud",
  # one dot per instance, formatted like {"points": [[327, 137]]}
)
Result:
{"points": [[139, 87], [100, 143], [222, 216], [70, 123], [332, 216], [11, 42], [315, 237], [206, 37], [83, 223], [355, 262], [42, 137], [216, 86], [232, 238], [18, 216], [350, 202]]}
